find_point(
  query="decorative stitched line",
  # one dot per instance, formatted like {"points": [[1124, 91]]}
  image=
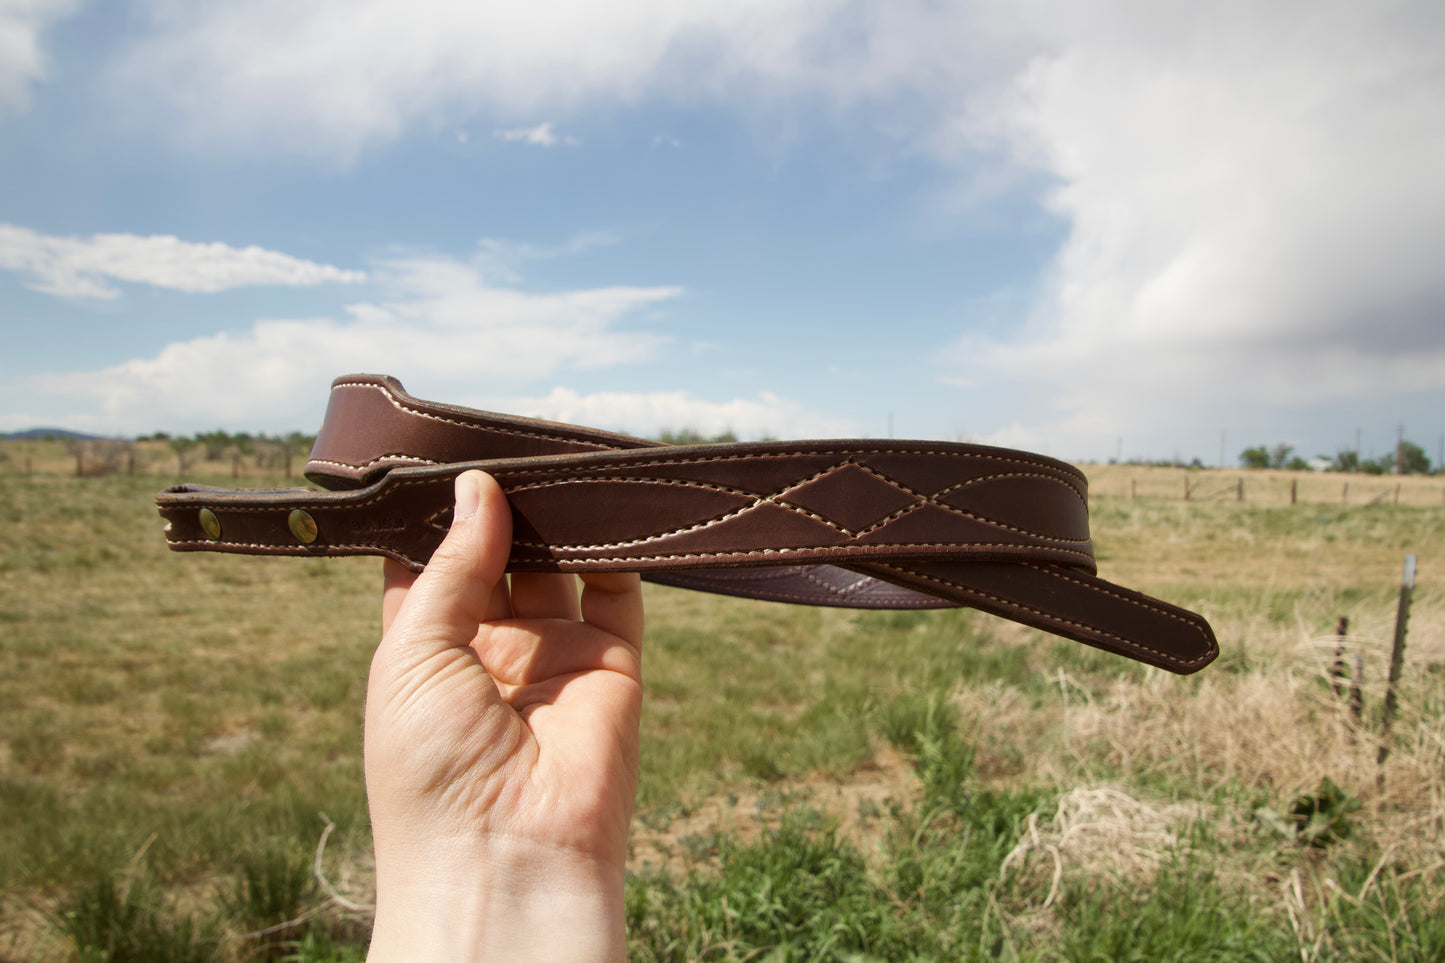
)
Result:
{"points": [[843, 591], [1211, 647], [473, 426], [778, 499], [779, 595], [933, 500], [940, 551], [834, 553], [377, 460], [1013, 474], [656, 457]]}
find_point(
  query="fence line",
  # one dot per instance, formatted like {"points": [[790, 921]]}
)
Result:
{"points": [[1264, 487]]}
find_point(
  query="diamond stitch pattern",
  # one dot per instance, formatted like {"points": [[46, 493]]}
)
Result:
{"points": [[850, 497]]}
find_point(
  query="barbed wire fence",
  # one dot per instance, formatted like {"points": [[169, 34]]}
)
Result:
{"points": [[1264, 486]]}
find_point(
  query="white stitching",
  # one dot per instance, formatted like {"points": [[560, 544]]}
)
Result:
{"points": [[778, 595], [659, 458], [1211, 647], [778, 499], [377, 460], [516, 432], [579, 557], [967, 547]]}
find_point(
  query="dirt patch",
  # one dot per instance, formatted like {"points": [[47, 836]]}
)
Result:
{"points": [[858, 803]]}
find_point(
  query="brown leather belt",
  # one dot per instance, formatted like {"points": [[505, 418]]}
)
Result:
{"points": [[861, 524]]}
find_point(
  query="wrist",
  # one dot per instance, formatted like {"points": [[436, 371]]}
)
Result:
{"points": [[501, 898]]}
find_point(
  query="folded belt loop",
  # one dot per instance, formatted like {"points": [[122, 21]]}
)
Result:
{"points": [[852, 523]]}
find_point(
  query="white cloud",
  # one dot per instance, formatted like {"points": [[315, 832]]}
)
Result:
{"points": [[333, 78], [22, 61], [81, 267], [446, 330], [502, 259], [1255, 210], [540, 136], [650, 413], [440, 327]]}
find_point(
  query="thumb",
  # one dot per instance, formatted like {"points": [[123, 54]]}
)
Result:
{"points": [[463, 584]]}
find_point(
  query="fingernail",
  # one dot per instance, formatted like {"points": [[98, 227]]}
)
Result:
{"points": [[469, 496]]}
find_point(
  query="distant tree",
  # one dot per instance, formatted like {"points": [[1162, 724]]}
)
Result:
{"points": [[1346, 460], [1413, 460], [690, 436], [1298, 464], [1256, 457], [101, 456], [186, 451], [294, 445], [215, 442], [1279, 455]]}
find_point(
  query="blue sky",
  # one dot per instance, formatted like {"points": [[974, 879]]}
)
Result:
{"points": [[1085, 228]]}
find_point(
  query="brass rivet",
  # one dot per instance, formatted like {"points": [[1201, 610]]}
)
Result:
{"points": [[303, 526], [210, 524]]}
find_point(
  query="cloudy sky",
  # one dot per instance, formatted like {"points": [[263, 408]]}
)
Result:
{"points": [[1086, 227]]}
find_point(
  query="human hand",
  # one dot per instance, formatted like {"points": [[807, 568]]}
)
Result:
{"points": [[501, 751]]}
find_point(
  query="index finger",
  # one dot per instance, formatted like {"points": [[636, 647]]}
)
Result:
{"points": [[612, 602], [396, 581]]}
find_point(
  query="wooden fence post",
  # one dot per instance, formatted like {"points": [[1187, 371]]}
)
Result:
{"points": [[1357, 700], [1397, 656], [1293, 491], [1337, 672]]}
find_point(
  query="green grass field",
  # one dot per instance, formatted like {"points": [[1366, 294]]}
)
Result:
{"points": [[177, 732]]}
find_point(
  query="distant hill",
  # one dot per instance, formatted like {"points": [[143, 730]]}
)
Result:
{"points": [[38, 434]]}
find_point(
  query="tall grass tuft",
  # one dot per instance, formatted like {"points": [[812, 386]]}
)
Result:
{"points": [[126, 918], [273, 896]]}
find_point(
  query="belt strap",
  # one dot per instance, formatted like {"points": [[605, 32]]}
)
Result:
{"points": [[861, 524]]}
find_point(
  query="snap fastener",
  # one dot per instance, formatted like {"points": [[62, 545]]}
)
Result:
{"points": [[210, 524], [302, 525]]}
